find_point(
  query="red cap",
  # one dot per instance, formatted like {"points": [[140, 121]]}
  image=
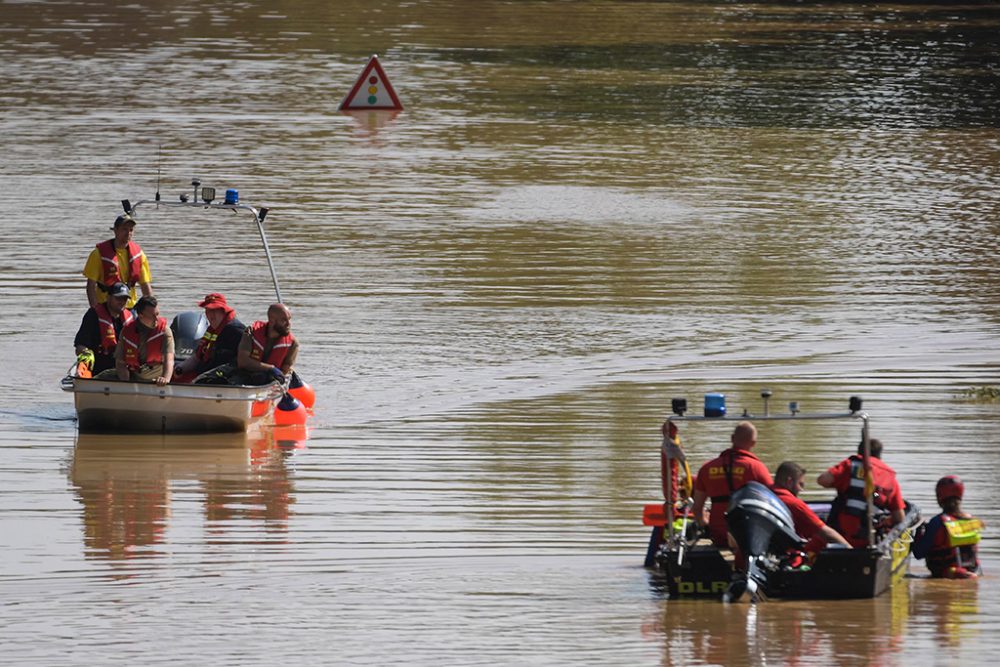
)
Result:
{"points": [[949, 487], [215, 300]]}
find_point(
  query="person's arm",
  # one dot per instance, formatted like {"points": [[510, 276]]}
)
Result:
{"points": [[926, 535], [145, 277], [91, 293], [243, 359], [826, 480], [698, 509], [832, 536], [168, 369], [187, 365], [764, 476], [289, 361], [84, 339], [120, 366], [92, 271], [897, 506], [168, 358]]}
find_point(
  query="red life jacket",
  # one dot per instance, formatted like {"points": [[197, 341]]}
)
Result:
{"points": [[854, 503], [208, 340], [154, 350], [258, 331], [109, 263], [106, 325]]}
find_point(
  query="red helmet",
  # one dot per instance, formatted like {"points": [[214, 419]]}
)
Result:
{"points": [[949, 487]]}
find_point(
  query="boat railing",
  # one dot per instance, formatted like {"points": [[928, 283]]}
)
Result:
{"points": [[259, 214], [747, 416], [275, 390], [717, 413]]}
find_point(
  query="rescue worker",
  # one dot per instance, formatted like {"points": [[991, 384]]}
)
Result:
{"points": [[145, 351], [97, 337], [117, 260], [267, 350], [789, 480], [950, 541], [672, 455], [850, 507], [219, 344], [721, 476]]}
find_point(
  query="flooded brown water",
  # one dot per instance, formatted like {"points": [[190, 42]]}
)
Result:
{"points": [[586, 209]]}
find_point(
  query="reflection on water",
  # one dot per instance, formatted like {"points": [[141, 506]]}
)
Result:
{"points": [[867, 632], [128, 484], [949, 611]]}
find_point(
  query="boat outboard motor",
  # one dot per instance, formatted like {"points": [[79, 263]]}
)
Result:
{"points": [[762, 526], [188, 328]]}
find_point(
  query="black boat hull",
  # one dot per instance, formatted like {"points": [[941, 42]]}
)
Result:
{"points": [[704, 571]]}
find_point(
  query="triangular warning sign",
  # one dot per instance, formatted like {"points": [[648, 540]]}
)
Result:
{"points": [[371, 91]]}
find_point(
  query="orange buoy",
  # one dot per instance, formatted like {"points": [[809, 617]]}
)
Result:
{"points": [[302, 391], [289, 411]]}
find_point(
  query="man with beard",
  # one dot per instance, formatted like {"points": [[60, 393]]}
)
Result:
{"points": [[268, 349]]}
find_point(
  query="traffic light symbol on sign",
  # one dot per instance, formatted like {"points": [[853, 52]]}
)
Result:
{"points": [[371, 91]]}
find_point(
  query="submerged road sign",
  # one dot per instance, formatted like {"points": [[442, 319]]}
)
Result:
{"points": [[372, 90]]}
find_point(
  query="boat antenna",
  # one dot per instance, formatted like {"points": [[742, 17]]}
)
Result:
{"points": [[159, 152]]}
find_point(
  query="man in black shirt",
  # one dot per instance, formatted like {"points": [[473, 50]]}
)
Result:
{"points": [[100, 328]]}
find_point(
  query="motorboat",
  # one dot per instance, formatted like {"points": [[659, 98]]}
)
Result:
{"points": [[115, 406], [112, 405], [689, 565]]}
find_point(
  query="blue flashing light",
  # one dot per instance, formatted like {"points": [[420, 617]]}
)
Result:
{"points": [[715, 405]]}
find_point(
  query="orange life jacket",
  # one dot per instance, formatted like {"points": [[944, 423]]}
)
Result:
{"points": [[106, 325], [154, 350], [258, 331], [109, 263]]}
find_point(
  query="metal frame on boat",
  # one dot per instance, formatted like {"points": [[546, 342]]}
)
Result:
{"points": [[137, 407], [693, 567]]}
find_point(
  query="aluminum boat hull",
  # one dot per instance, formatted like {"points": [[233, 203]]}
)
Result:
{"points": [[113, 406]]}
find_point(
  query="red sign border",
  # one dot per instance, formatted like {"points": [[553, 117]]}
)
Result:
{"points": [[372, 64]]}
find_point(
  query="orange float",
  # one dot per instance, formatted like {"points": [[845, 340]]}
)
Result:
{"points": [[289, 411], [302, 391]]}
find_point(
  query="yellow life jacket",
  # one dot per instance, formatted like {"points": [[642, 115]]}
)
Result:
{"points": [[962, 532]]}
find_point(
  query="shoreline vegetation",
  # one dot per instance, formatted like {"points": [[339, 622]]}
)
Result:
{"points": [[982, 394]]}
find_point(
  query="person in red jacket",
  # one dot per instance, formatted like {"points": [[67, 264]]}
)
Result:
{"points": [[950, 541], [721, 476], [850, 507], [145, 351], [789, 480], [268, 350]]}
